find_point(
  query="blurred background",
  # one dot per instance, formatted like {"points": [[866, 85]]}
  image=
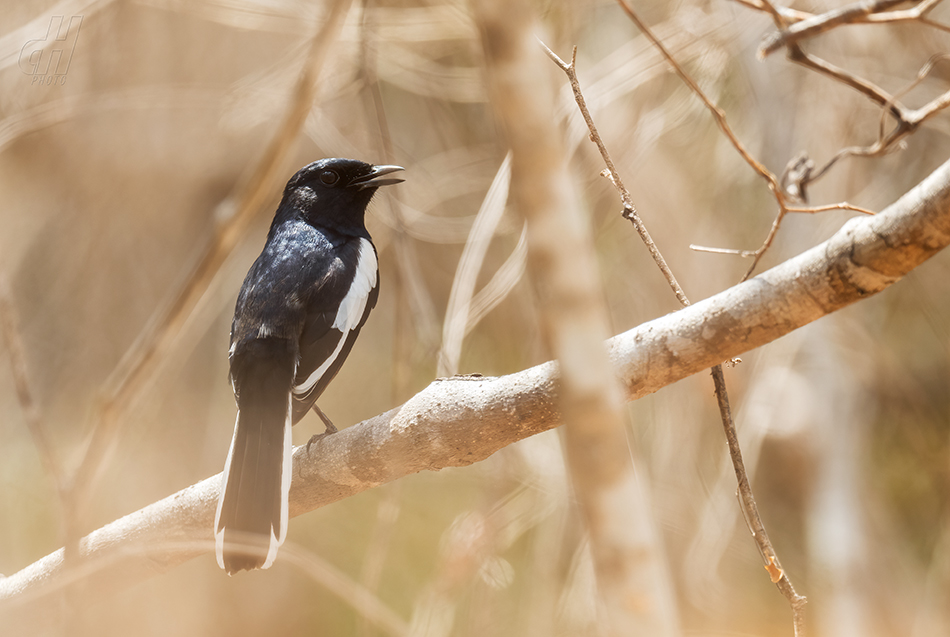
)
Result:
{"points": [[116, 170]]}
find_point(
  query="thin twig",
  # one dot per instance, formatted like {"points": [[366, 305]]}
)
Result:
{"points": [[918, 116], [861, 12], [821, 23], [611, 172], [868, 11], [720, 117], [739, 253], [905, 15], [716, 112], [882, 146], [772, 564], [747, 500], [796, 601], [933, 23], [629, 210], [908, 120], [787, 14], [833, 206], [867, 88], [810, 25]]}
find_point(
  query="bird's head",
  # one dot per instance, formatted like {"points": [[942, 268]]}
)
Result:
{"points": [[335, 192]]}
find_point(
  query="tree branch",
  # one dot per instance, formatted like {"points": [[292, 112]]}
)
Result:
{"points": [[459, 421], [818, 24]]}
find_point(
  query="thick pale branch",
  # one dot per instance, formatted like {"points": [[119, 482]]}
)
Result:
{"points": [[460, 421]]}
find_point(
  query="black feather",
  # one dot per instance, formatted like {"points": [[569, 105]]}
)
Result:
{"points": [[297, 316]]}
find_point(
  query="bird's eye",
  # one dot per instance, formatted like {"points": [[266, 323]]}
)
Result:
{"points": [[328, 178]]}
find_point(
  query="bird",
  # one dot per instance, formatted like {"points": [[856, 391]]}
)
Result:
{"points": [[298, 313]]}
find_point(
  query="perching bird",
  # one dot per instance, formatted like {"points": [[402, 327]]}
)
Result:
{"points": [[299, 311]]}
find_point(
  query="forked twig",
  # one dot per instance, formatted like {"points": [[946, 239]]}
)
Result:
{"points": [[907, 119], [855, 14], [873, 11], [777, 575], [825, 22], [787, 14], [720, 117]]}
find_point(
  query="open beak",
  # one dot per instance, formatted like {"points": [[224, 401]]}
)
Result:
{"points": [[375, 178]]}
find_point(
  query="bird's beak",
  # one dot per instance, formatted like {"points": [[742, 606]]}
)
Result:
{"points": [[374, 178]]}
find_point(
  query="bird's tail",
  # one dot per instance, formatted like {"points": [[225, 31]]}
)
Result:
{"points": [[251, 520]]}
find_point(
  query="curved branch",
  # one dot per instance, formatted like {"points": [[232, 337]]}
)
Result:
{"points": [[461, 420]]}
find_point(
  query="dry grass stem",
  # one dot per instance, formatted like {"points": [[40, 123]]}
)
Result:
{"points": [[9, 328], [134, 374], [459, 309], [501, 283]]}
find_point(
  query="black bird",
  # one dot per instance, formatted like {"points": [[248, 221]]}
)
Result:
{"points": [[299, 311]]}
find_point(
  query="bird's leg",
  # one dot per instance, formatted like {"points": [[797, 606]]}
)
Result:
{"points": [[330, 427]]}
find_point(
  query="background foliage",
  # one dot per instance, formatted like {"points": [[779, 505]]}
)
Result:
{"points": [[112, 183]]}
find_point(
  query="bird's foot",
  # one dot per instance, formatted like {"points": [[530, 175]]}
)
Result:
{"points": [[330, 427]]}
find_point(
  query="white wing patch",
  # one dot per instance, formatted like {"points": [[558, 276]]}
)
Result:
{"points": [[350, 312], [354, 303]]}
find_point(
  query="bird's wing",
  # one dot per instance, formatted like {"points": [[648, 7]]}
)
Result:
{"points": [[334, 319]]}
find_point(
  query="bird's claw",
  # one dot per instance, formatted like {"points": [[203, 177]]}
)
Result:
{"points": [[330, 429]]}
